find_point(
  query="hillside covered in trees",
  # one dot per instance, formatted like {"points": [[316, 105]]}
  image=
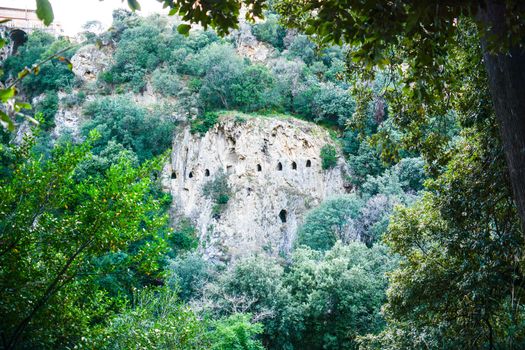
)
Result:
{"points": [[421, 249]]}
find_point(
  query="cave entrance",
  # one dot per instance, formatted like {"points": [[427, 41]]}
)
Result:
{"points": [[259, 167], [294, 165], [173, 175], [207, 172], [308, 163], [190, 175], [282, 216], [279, 166]]}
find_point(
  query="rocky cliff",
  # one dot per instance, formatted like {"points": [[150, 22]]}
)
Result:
{"points": [[274, 170]]}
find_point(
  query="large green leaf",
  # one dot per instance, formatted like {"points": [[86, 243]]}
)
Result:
{"points": [[44, 11], [6, 94], [6, 122], [184, 29], [134, 5]]}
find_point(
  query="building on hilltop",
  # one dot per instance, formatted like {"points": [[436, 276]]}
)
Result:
{"points": [[27, 20], [22, 21]]}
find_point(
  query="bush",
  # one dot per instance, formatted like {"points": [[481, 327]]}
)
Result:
{"points": [[320, 301], [236, 332], [365, 162], [201, 125], [184, 236], [48, 108], [335, 219], [254, 89], [189, 273], [411, 173], [219, 191], [328, 157], [156, 320], [332, 105], [165, 82], [303, 48], [270, 31], [130, 125]]}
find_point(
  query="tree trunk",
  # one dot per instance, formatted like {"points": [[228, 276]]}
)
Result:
{"points": [[506, 73]]}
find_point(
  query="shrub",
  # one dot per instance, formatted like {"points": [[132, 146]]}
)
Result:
{"points": [[270, 31], [156, 320], [328, 157], [202, 124], [184, 236], [254, 89], [123, 121], [219, 191], [48, 107], [236, 332], [189, 272], [165, 82], [335, 219]]}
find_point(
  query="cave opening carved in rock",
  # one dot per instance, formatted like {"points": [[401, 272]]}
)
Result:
{"points": [[308, 163], [279, 166], [294, 165], [173, 175], [259, 167], [282, 216], [207, 172], [190, 175]]}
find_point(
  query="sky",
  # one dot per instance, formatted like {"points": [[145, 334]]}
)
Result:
{"points": [[72, 14]]}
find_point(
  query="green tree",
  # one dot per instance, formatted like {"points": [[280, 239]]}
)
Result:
{"points": [[219, 191], [52, 226], [52, 76], [335, 219], [255, 89], [328, 157], [236, 332], [270, 31], [156, 320], [340, 292], [117, 119]]}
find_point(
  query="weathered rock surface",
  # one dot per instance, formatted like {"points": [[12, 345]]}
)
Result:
{"points": [[267, 205], [88, 62]]}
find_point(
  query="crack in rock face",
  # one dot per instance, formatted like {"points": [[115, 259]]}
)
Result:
{"points": [[275, 175]]}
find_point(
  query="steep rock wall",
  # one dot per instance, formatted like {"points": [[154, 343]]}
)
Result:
{"points": [[267, 204]]}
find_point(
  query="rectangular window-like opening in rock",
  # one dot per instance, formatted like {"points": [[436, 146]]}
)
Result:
{"points": [[308, 163], [282, 216], [173, 175], [294, 165], [259, 167], [279, 166], [207, 172]]}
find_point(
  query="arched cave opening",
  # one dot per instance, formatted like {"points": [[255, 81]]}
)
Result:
{"points": [[279, 166], [207, 172], [173, 175], [294, 165], [259, 167], [190, 175], [308, 163], [282, 216]]}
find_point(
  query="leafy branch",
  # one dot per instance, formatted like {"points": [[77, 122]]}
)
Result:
{"points": [[12, 107]]}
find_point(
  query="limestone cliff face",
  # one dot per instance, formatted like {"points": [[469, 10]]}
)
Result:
{"points": [[275, 173]]}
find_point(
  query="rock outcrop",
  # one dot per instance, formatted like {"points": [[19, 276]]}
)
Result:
{"points": [[274, 170], [89, 61]]}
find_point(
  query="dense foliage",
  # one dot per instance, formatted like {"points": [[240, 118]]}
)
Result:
{"points": [[424, 253], [322, 300]]}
